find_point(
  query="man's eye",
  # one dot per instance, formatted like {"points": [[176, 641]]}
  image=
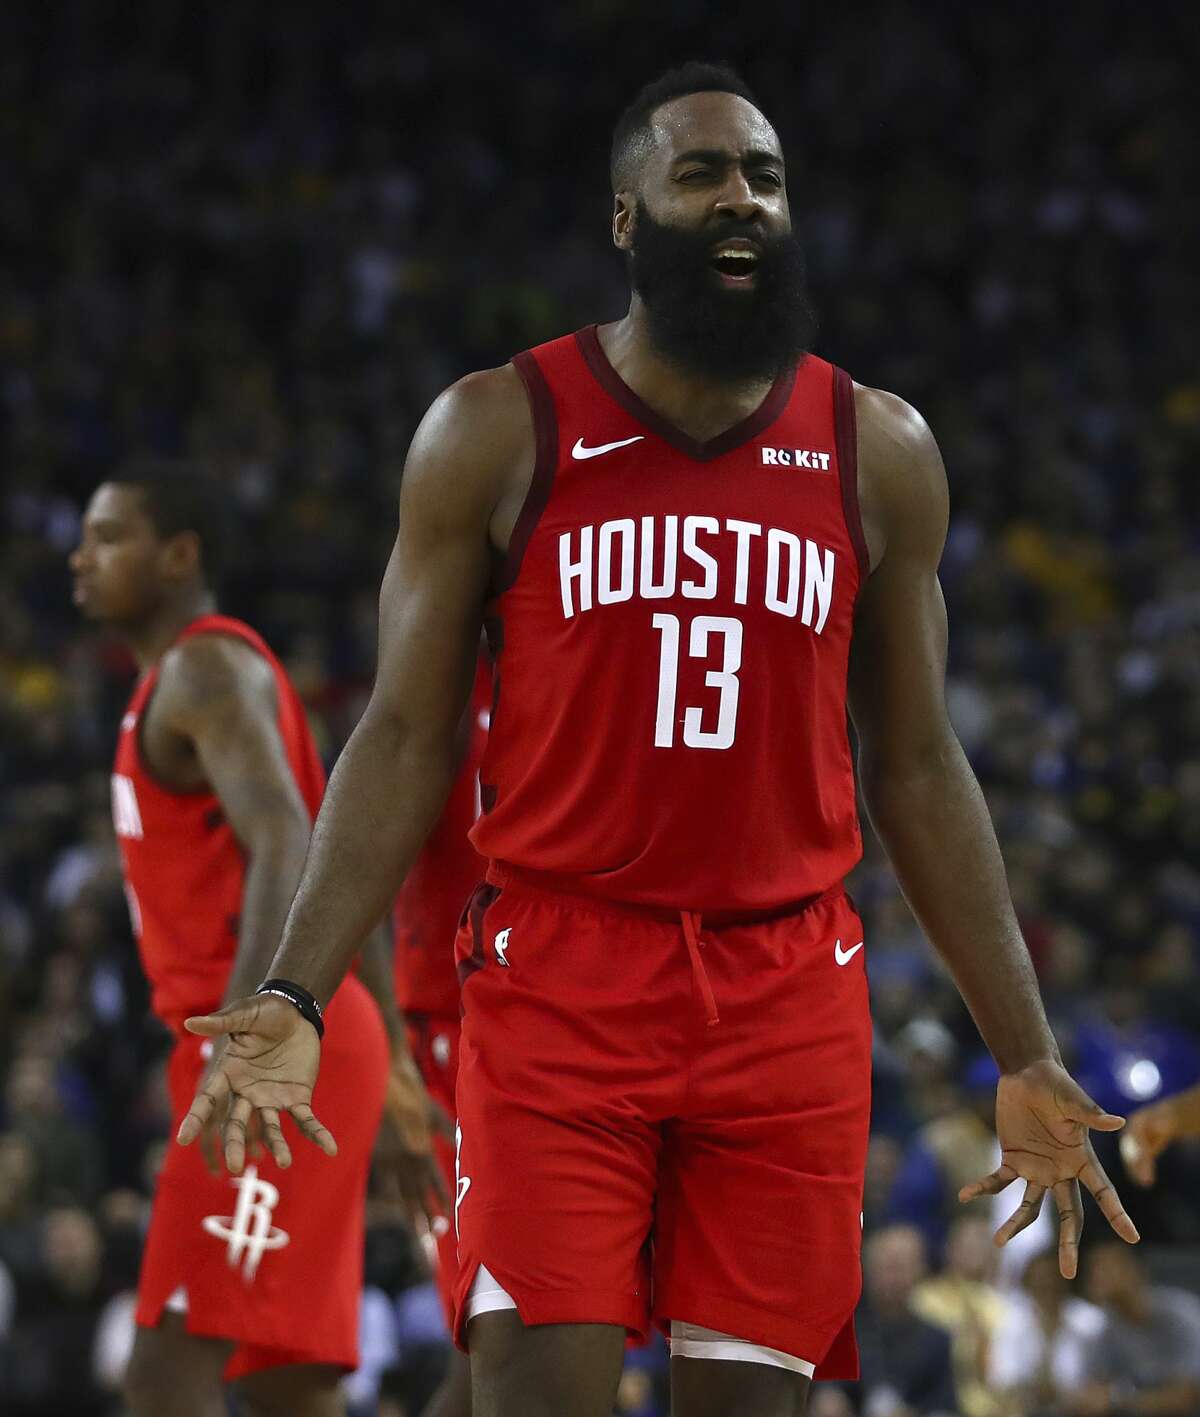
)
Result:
{"points": [[772, 179], [697, 173]]}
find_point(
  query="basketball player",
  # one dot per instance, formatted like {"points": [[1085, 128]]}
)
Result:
{"points": [[694, 545], [1152, 1129], [424, 922], [215, 786]]}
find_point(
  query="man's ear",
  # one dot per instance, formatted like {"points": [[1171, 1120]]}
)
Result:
{"points": [[182, 556], [624, 220]]}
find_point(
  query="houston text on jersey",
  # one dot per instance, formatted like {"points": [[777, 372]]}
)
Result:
{"points": [[627, 558]]}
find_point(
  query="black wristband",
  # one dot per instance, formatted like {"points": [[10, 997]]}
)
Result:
{"points": [[300, 998]]}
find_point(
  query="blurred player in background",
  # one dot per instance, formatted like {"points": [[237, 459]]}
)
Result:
{"points": [[254, 1280], [425, 920], [695, 546], [1152, 1129]]}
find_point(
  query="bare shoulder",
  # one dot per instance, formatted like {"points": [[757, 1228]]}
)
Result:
{"points": [[491, 394], [213, 674], [475, 434], [892, 434], [471, 461], [902, 479]]}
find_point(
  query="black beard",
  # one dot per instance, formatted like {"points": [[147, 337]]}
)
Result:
{"points": [[707, 330]]}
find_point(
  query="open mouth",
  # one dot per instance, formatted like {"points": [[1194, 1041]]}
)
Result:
{"points": [[736, 261]]}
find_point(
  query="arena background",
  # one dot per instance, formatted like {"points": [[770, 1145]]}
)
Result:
{"points": [[268, 235]]}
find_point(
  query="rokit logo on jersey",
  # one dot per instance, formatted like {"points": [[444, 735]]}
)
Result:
{"points": [[655, 558], [797, 457]]}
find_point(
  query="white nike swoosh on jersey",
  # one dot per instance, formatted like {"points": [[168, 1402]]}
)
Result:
{"points": [[845, 956], [580, 452]]}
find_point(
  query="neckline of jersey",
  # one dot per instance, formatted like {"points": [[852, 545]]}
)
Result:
{"points": [[588, 341]]}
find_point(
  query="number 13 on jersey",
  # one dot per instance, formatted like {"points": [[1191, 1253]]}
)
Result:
{"points": [[703, 629]]}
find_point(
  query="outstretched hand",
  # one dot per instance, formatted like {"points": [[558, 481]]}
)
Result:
{"points": [[265, 1064], [406, 1166], [1042, 1120], [210, 1141], [1151, 1130]]}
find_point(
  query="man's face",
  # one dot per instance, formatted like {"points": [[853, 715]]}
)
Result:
{"points": [[1112, 1275], [893, 1265], [1042, 1280], [121, 565], [969, 1252], [709, 237]]}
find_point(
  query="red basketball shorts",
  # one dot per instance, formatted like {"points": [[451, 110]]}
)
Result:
{"points": [[662, 1121], [273, 1259], [433, 1040]]}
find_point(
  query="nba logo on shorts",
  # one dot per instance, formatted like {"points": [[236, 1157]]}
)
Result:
{"points": [[249, 1230], [501, 945]]}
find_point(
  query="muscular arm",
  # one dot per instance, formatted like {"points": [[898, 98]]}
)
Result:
{"points": [[927, 808], [922, 797], [219, 695], [395, 772]]}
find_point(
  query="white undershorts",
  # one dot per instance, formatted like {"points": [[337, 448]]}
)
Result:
{"points": [[488, 1296]]}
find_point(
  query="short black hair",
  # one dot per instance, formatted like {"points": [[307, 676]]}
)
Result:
{"points": [[632, 130], [178, 495]]}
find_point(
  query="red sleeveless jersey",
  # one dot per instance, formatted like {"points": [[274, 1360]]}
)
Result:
{"points": [[434, 892], [184, 869], [672, 633]]}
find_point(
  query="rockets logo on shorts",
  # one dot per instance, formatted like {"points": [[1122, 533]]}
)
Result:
{"points": [[462, 1184], [248, 1230]]}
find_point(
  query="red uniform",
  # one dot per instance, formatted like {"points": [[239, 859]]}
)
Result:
{"points": [[272, 1259], [426, 916], [666, 1035]]}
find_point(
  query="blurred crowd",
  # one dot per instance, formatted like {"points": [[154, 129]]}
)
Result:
{"points": [[268, 240]]}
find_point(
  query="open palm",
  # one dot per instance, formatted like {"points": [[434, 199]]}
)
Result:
{"points": [[1042, 1121], [265, 1061]]}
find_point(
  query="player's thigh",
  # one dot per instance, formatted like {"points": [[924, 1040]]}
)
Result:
{"points": [[173, 1373], [562, 1081], [299, 1390], [544, 1370], [716, 1388], [453, 1397], [759, 1205]]}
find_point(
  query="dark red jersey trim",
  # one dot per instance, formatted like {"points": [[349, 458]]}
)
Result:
{"points": [[476, 908], [545, 429], [611, 382], [845, 427]]}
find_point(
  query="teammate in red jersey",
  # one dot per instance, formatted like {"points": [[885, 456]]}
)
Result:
{"points": [[424, 922], [695, 547], [214, 789]]}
